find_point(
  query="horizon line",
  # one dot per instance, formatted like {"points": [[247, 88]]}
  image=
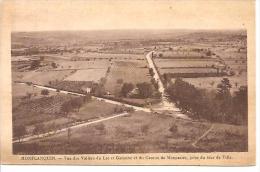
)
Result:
{"points": [[135, 29]]}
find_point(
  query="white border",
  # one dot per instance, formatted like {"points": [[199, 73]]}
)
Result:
{"points": [[41, 168]]}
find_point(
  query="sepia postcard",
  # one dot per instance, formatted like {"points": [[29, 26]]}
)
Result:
{"points": [[127, 82]]}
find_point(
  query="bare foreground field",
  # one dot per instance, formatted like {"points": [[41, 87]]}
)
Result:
{"points": [[146, 134], [133, 92]]}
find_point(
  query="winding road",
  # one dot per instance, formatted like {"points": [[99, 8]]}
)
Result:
{"points": [[165, 105]]}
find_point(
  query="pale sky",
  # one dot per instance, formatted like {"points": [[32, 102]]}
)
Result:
{"points": [[146, 14]]}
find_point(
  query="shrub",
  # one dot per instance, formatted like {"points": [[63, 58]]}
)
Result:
{"points": [[129, 109], [28, 95], [145, 89], [173, 128], [118, 109], [39, 128], [45, 92], [29, 83], [126, 88], [35, 64], [54, 65], [232, 73], [19, 131]]}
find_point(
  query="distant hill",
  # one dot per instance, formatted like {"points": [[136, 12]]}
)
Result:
{"points": [[21, 39]]}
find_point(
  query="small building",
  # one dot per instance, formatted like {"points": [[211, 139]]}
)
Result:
{"points": [[86, 89]]}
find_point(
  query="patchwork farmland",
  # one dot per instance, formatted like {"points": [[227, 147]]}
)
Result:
{"points": [[139, 91]]}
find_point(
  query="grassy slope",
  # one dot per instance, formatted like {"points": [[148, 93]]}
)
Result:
{"points": [[128, 135]]}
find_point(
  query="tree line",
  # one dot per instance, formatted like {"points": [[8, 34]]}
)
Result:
{"points": [[215, 106], [144, 90]]}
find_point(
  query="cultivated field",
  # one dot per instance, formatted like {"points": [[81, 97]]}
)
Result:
{"points": [[180, 54], [46, 110], [87, 75], [93, 64], [188, 70], [23, 58], [43, 78], [171, 63], [128, 71], [30, 112], [22, 90], [210, 83], [93, 55], [92, 110]]}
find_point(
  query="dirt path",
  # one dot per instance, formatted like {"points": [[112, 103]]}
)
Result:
{"points": [[203, 135], [33, 137], [165, 104]]}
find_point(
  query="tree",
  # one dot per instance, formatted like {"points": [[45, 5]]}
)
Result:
{"points": [[66, 108], [52, 127], [99, 90], [212, 83], [173, 128], [208, 53], [28, 95], [54, 65], [87, 98], [240, 105], [76, 103], [39, 128], [224, 98], [160, 55], [35, 64], [155, 83], [145, 89], [126, 88], [223, 89], [45, 92], [19, 131], [118, 109], [69, 135], [217, 105], [166, 78], [187, 97], [151, 71]]}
